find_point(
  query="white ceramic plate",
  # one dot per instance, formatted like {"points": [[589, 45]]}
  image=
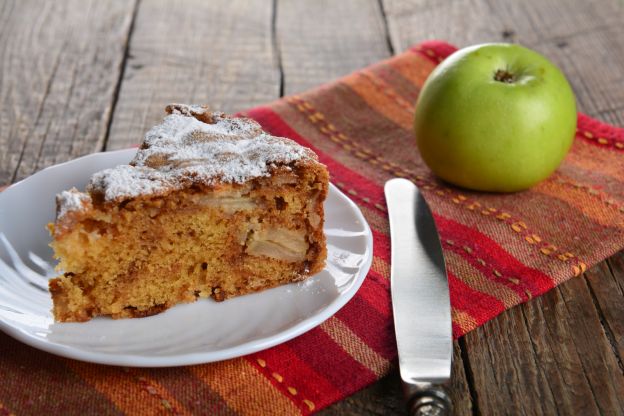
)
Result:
{"points": [[199, 332]]}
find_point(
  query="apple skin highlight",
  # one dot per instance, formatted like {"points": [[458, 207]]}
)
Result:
{"points": [[495, 117]]}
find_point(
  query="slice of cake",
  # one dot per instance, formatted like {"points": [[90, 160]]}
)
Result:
{"points": [[210, 206]]}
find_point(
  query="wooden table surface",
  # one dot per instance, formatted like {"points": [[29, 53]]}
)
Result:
{"points": [[84, 76]]}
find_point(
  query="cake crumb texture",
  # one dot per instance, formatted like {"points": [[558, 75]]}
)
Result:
{"points": [[211, 206]]}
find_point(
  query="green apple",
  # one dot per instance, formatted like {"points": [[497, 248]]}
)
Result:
{"points": [[495, 117]]}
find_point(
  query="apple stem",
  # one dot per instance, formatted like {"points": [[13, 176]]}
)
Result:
{"points": [[503, 75]]}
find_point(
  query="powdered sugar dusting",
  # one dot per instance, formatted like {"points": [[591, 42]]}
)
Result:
{"points": [[193, 145], [128, 181], [178, 131], [233, 161], [71, 201]]}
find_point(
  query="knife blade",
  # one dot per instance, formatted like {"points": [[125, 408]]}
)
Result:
{"points": [[420, 300]]}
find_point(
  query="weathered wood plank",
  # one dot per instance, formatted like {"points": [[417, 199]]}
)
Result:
{"points": [[60, 66], [505, 370], [586, 39], [218, 53], [552, 353], [459, 387], [589, 60], [608, 287], [320, 41], [472, 21], [599, 363], [551, 334]]}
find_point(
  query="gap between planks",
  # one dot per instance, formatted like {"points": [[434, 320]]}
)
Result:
{"points": [[121, 72]]}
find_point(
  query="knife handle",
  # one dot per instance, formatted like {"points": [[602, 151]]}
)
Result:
{"points": [[428, 399]]}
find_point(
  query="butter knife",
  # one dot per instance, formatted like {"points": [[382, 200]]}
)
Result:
{"points": [[420, 301]]}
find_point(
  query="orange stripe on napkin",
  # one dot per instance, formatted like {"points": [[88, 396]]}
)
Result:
{"points": [[374, 219], [587, 203], [477, 304], [243, 388], [533, 280], [129, 390], [464, 320], [335, 132], [371, 89], [381, 266], [370, 325], [356, 347], [593, 159], [413, 67], [200, 399], [475, 280]]}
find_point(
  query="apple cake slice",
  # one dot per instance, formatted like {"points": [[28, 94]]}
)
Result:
{"points": [[210, 206]]}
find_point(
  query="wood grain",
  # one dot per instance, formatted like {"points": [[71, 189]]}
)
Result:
{"points": [[552, 352], [553, 341], [599, 364], [60, 66], [607, 285], [218, 53], [584, 38], [501, 354], [320, 41]]}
